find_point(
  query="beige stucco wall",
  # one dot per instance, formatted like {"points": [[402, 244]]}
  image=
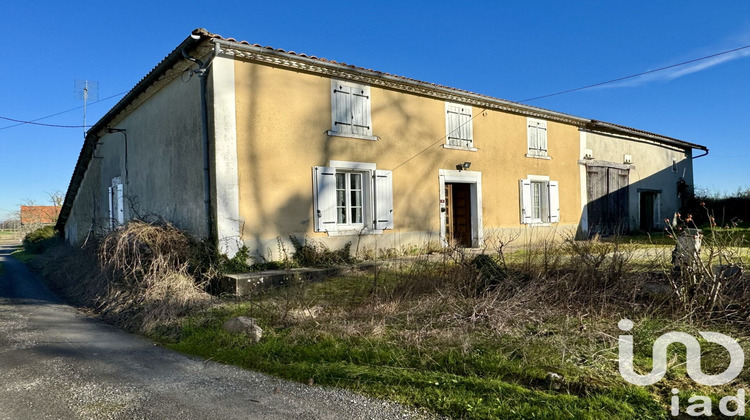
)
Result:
{"points": [[282, 120], [651, 169], [165, 177]]}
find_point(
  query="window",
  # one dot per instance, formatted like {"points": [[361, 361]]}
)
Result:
{"points": [[350, 110], [540, 200], [537, 137], [115, 197], [349, 198], [352, 197], [458, 127]]}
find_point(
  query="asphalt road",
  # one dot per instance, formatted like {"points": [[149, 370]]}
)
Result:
{"points": [[56, 363]]}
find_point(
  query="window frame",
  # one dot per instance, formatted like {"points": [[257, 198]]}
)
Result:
{"points": [[549, 200], [536, 133], [345, 103], [377, 199]]}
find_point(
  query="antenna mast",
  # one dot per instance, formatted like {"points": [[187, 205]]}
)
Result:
{"points": [[85, 90]]}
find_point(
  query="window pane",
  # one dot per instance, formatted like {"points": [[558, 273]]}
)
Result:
{"points": [[356, 215], [340, 181], [356, 181], [341, 198], [356, 199], [537, 200], [341, 215]]}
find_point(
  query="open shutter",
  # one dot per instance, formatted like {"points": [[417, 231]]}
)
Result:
{"points": [[383, 199], [360, 111], [554, 202], [110, 199], [524, 186], [120, 205], [342, 108], [324, 188]]}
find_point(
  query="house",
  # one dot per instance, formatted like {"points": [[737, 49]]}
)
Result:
{"points": [[249, 145], [39, 215]]}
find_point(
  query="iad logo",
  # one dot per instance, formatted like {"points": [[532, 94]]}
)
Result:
{"points": [[693, 366]]}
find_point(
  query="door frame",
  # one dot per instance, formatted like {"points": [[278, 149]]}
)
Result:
{"points": [[657, 206], [474, 179]]}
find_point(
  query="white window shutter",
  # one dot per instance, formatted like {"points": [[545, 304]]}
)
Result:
{"points": [[342, 108], [464, 121], [324, 189], [383, 199], [554, 202], [542, 135], [110, 199], [451, 124], [120, 205], [524, 186], [360, 100]]}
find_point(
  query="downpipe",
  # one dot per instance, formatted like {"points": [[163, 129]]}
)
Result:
{"points": [[202, 73]]}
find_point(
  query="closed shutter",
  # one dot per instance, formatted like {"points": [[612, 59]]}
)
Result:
{"points": [[360, 100], [524, 186], [383, 199], [554, 202], [542, 136], [451, 123], [120, 205], [464, 121], [537, 133], [458, 125], [110, 200], [342, 107], [324, 189]]}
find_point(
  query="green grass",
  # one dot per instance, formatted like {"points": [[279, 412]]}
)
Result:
{"points": [[412, 350], [488, 382], [23, 255]]}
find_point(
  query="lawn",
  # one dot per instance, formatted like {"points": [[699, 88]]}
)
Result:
{"points": [[431, 335]]}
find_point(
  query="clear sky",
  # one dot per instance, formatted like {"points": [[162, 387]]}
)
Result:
{"points": [[511, 50]]}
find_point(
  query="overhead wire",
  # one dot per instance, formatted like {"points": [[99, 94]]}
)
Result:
{"points": [[619, 79]]}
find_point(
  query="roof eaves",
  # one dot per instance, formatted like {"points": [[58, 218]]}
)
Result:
{"points": [[87, 150], [606, 127]]}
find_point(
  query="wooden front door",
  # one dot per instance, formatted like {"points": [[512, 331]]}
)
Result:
{"points": [[458, 214]]}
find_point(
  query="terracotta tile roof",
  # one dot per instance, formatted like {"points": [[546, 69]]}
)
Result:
{"points": [[39, 214], [207, 34]]}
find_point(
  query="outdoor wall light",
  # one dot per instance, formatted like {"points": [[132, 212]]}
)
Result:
{"points": [[462, 166]]}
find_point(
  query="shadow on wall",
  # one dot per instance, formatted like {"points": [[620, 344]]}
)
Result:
{"points": [[619, 204]]}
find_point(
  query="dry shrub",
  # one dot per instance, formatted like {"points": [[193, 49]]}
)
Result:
{"points": [[151, 269]]}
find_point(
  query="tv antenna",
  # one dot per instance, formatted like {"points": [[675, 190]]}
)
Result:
{"points": [[86, 90]]}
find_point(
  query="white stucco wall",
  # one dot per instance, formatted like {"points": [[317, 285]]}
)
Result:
{"points": [[651, 169], [164, 176]]}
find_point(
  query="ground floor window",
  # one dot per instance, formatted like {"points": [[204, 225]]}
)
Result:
{"points": [[352, 197], [540, 200], [116, 199]]}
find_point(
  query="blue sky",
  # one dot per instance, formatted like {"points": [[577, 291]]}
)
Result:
{"points": [[510, 50]]}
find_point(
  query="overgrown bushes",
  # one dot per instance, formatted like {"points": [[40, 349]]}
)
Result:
{"points": [[40, 239]]}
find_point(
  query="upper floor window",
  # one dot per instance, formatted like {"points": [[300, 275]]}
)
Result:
{"points": [[536, 137], [458, 127], [350, 110]]}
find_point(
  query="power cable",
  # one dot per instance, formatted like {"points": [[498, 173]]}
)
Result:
{"points": [[636, 75], [20, 122]]}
